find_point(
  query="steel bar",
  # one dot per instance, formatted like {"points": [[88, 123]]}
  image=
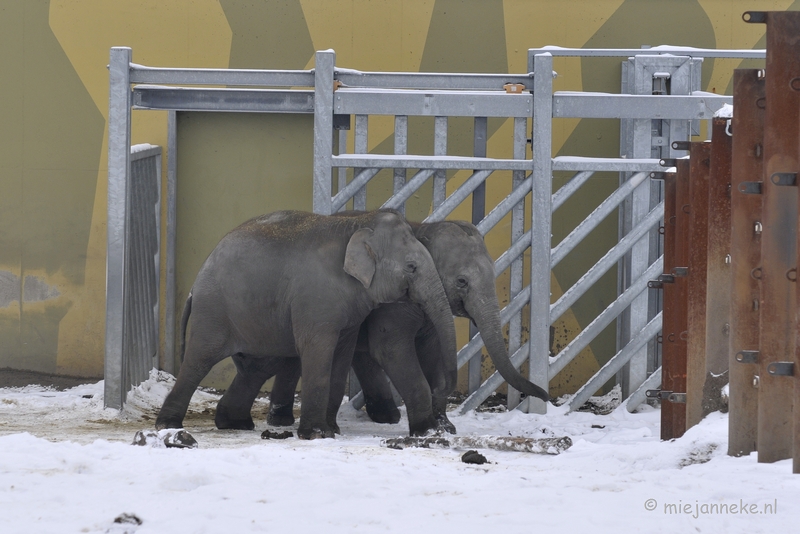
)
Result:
{"points": [[605, 263], [605, 318], [493, 382], [664, 49], [170, 315], [778, 241], [514, 251], [478, 214], [597, 216], [443, 163], [519, 192], [699, 171], [400, 149], [360, 146], [458, 196], [265, 78], [341, 172], [353, 190], [416, 181], [439, 149], [426, 80], [432, 103], [323, 131], [718, 281], [612, 106], [569, 188], [640, 395], [616, 362], [205, 99], [578, 163], [747, 163], [119, 142]]}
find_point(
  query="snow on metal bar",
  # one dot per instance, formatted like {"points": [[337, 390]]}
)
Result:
{"points": [[582, 340], [597, 216], [431, 162], [690, 51], [264, 78], [616, 362], [435, 103], [614, 106], [428, 80], [212, 99], [578, 163], [605, 263]]}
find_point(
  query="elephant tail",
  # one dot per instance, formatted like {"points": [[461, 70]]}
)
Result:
{"points": [[187, 311]]}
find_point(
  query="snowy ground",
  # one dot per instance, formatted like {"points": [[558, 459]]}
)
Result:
{"points": [[66, 465]]}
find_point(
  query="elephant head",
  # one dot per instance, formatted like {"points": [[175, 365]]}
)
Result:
{"points": [[467, 274], [393, 265]]}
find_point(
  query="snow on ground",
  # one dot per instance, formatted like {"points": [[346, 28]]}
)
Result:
{"points": [[67, 465]]}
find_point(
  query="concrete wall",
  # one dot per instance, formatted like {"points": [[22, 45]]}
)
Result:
{"points": [[53, 146]]}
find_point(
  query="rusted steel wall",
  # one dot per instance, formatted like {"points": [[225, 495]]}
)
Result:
{"points": [[699, 157], [747, 165]]}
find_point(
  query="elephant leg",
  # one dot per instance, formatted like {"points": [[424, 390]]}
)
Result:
{"points": [[343, 357], [233, 409], [430, 357], [391, 341], [200, 356], [281, 398], [375, 386], [316, 346]]}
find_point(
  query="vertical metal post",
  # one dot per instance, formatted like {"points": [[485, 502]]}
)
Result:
{"points": [[478, 213], [325, 62], [439, 149], [718, 273], [778, 241], [400, 148], [539, 358], [747, 165], [119, 163], [517, 230], [361, 146], [699, 170], [170, 316], [341, 140]]}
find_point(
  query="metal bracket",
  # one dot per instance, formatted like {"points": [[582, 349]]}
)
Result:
{"points": [[668, 162], [750, 188], [657, 394], [754, 17], [680, 272], [747, 356], [514, 88], [661, 280], [677, 398], [781, 368], [681, 145], [784, 178]]}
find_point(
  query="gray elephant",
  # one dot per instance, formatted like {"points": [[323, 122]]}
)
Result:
{"points": [[298, 285], [394, 330]]}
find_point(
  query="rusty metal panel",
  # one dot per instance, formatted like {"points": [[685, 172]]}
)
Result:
{"points": [[747, 165], [699, 159], [778, 242], [676, 255], [718, 268]]}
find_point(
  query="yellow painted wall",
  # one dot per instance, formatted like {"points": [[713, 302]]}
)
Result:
{"points": [[53, 104]]}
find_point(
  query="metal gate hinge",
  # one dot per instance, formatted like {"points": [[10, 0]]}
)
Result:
{"points": [[754, 17], [680, 272], [681, 145], [781, 368], [668, 162], [784, 178], [677, 398], [747, 356], [661, 280], [750, 188], [656, 394]]}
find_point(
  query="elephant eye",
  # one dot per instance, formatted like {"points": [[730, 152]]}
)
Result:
{"points": [[411, 267], [462, 282]]}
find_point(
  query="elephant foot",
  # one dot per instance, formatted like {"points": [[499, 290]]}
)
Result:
{"points": [[280, 415], [383, 411], [227, 419], [424, 427], [314, 433], [168, 421], [444, 424]]}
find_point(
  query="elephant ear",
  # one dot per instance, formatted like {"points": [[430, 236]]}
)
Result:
{"points": [[359, 259]]}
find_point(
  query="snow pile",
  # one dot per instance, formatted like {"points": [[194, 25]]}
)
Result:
{"points": [[725, 112], [67, 465]]}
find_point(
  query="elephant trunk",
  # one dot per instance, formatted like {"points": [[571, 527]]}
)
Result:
{"points": [[486, 314], [429, 293]]}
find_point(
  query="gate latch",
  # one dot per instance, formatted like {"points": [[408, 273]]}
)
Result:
{"points": [[747, 356], [750, 188], [781, 368]]}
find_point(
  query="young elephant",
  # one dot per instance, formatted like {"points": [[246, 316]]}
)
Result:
{"points": [[393, 330], [299, 285]]}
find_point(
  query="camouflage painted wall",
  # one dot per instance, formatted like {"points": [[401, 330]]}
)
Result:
{"points": [[53, 144]]}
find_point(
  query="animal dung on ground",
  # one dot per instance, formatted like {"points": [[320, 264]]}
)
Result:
{"points": [[269, 434], [473, 457], [176, 438], [539, 446]]}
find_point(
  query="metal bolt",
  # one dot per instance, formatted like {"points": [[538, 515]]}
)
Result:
{"points": [[727, 259], [758, 228], [756, 381]]}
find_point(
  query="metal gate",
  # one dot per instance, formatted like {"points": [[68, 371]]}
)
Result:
{"points": [[527, 100]]}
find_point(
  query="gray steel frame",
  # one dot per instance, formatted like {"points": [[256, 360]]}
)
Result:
{"points": [[341, 91]]}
